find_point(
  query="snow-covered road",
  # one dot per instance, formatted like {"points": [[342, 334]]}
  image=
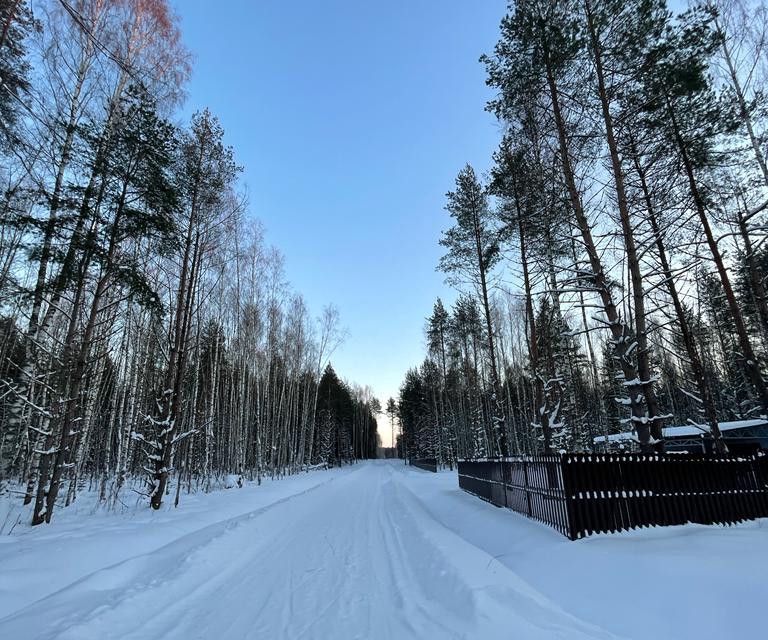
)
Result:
{"points": [[374, 551], [354, 557]]}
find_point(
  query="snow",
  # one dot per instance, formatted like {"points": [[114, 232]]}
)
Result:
{"points": [[233, 480], [379, 551], [686, 430]]}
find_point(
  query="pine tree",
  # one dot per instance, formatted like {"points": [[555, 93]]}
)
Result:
{"points": [[437, 329], [206, 170], [682, 108], [138, 202], [473, 251], [16, 24], [540, 56]]}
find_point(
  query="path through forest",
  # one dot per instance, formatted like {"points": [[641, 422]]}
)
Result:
{"points": [[375, 550], [357, 556]]}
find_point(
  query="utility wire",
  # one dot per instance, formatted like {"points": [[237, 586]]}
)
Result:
{"points": [[81, 22]]}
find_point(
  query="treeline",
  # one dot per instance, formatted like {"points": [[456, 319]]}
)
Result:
{"points": [[346, 421], [148, 338], [613, 261]]}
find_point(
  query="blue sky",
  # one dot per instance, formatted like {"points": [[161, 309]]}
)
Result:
{"points": [[351, 119]]}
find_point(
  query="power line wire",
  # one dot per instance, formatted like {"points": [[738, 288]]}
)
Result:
{"points": [[81, 22]]}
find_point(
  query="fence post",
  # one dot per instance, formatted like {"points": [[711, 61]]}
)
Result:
{"points": [[527, 492], [504, 481], [570, 512]]}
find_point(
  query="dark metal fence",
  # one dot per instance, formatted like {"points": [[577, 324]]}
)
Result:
{"points": [[428, 464], [581, 494]]}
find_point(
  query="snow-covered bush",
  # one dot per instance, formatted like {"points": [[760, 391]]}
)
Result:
{"points": [[232, 480]]}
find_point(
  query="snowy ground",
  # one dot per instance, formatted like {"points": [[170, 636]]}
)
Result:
{"points": [[372, 551]]}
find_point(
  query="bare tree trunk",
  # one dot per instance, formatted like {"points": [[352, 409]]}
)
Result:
{"points": [[541, 412], [620, 332], [744, 112], [751, 363], [697, 367], [500, 437], [755, 274], [645, 376]]}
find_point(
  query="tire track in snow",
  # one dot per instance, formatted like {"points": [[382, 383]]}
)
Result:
{"points": [[356, 557], [110, 587], [506, 605]]}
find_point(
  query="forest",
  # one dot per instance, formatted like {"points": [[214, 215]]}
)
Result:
{"points": [[150, 343], [197, 197], [611, 266]]}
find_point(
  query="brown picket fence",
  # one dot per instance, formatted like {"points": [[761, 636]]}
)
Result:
{"points": [[582, 494], [428, 464]]}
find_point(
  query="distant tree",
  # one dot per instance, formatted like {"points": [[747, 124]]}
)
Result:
{"points": [[392, 417]]}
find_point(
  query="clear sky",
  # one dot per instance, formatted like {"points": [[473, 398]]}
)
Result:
{"points": [[352, 118]]}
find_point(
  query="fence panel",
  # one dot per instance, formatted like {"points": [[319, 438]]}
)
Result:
{"points": [[428, 464], [531, 486], [582, 494]]}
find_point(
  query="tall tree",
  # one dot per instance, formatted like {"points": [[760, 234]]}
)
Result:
{"points": [[682, 108], [473, 251]]}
